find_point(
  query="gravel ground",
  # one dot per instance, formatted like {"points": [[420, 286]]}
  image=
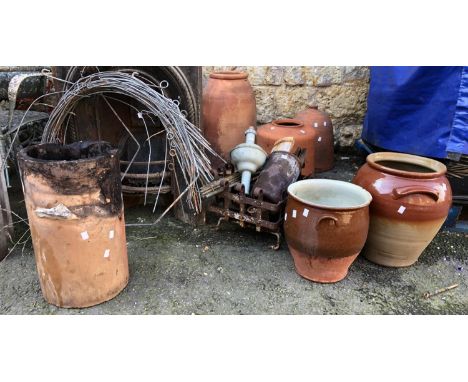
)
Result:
{"points": [[178, 269]]}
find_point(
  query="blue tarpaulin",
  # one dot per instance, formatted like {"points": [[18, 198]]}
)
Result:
{"points": [[418, 110]]}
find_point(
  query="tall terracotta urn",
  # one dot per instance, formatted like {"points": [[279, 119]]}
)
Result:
{"points": [[74, 203], [411, 200], [228, 109], [304, 137], [325, 223], [321, 122]]}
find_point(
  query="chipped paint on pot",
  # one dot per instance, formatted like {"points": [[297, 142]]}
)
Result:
{"points": [[411, 200], [326, 227], [73, 199]]}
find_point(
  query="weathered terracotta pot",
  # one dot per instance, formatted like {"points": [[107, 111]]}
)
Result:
{"points": [[325, 224], [304, 137], [411, 200], [73, 199], [321, 122], [228, 109]]}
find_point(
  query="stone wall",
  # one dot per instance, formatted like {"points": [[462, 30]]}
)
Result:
{"points": [[282, 91]]}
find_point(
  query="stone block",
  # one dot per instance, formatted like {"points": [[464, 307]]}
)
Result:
{"points": [[274, 75], [354, 73], [348, 135], [292, 99], [293, 75], [323, 75], [266, 103]]}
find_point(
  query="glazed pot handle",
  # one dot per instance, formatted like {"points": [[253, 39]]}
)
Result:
{"points": [[400, 192], [325, 217]]}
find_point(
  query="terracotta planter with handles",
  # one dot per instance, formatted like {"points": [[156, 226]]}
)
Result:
{"points": [[228, 109], [304, 137], [411, 200], [325, 224], [73, 198], [321, 122]]}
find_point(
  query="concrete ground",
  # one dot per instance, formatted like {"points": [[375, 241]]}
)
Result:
{"points": [[178, 269]]}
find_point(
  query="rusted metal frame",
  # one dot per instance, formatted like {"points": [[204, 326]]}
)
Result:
{"points": [[258, 212], [278, 240], [239, 198], [242, 217], [227, 202], [217, 186], [273, 226], [261, 207]]}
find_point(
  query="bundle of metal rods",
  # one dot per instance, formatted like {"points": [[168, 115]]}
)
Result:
{"points": [[184, 140], [217, 186]]}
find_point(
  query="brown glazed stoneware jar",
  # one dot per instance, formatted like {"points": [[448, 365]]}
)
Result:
{"points": [[228, 109], [325, 224], [321, 122], [411, 200], [304, 137], [74, 203]]}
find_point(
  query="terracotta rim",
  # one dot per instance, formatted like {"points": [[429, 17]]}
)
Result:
{"points": [[288, 122], [331, 183], [229, 75], [25, 155], [437, 167]]}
